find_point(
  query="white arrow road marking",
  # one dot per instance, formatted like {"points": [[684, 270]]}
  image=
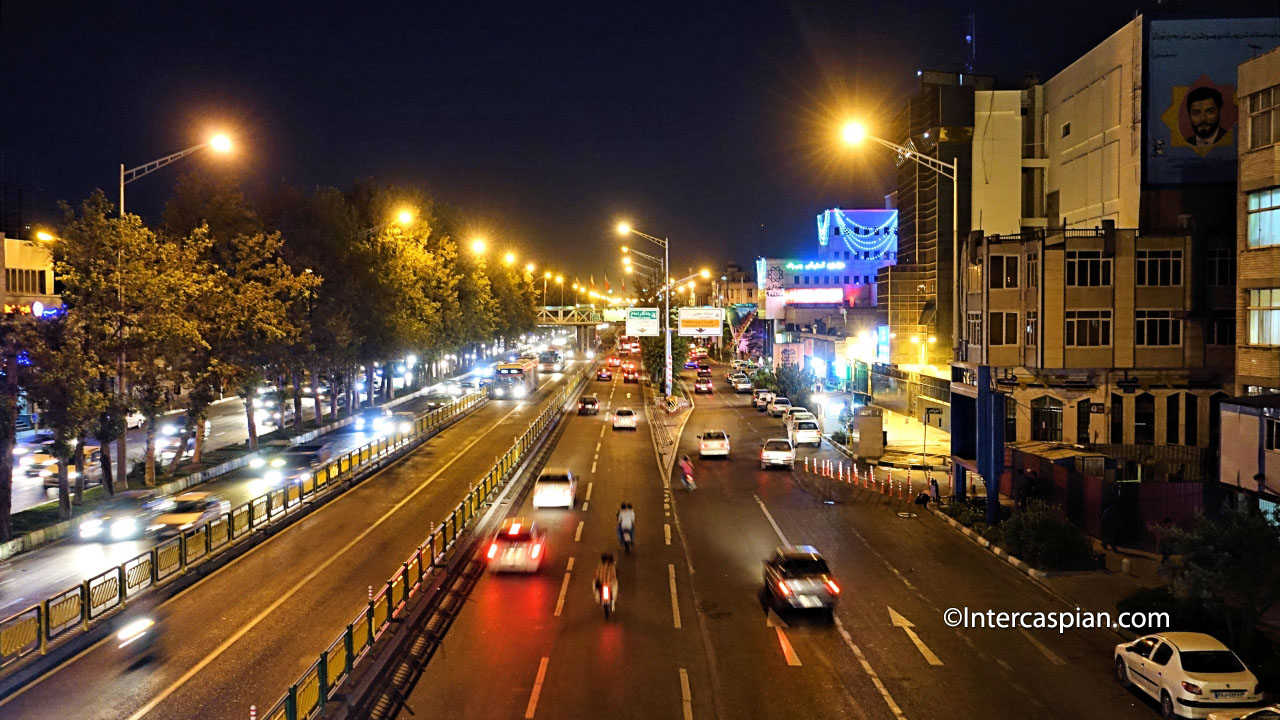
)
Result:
{"points": [[899, 621], [787, 651]]}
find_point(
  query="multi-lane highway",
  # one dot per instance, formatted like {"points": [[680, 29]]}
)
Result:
{"points": [[243, 634], [691, 636]]}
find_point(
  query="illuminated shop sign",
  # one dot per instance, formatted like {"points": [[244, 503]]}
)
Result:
{"points": [[814, 296], [833, 265], [36, 308]]}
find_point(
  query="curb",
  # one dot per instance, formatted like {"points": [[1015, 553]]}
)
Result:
{"points": [[995, 549]]}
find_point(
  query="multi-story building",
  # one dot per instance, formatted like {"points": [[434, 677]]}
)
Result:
{"points": [[27, 284], [735, 287], [1251, 424]]}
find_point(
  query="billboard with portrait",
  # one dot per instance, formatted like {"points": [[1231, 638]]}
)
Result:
{"points": [[1192, 118]]}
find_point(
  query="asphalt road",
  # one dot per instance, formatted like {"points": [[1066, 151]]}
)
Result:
{"points": [[243, 634], [518, 650]]}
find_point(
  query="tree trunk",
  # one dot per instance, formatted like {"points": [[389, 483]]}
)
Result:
{"points": [[64, 491], [80, 479], [149, 456], [315, 398], [297, 402], [368, 382], [249, 423], [8, 433], [333, 395], [104, 459], [180, 450]]}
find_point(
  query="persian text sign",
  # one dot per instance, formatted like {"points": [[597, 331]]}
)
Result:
{"points": [[701, 321], [642, 322]]}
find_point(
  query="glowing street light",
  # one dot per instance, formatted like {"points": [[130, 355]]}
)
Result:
{"points": [[220, 143], [404, 216], [509, 258], [528, 267], [478, 246], [44, 236], [853, 133], [705, 273]]}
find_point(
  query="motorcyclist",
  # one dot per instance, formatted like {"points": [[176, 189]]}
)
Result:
{"points": [[607, 576], [686, 472], [626, 522]]}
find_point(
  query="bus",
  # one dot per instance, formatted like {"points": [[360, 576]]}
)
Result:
{"points": [[516, 379], [550, 361]]}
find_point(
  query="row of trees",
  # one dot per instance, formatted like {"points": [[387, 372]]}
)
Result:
{"points": [[228, 294]]}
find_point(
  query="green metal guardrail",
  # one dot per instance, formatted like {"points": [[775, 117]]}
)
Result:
{"points": [[306, 698], [34, 629]]}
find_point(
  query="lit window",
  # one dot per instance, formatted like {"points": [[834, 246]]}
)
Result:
{"points": [[1264, 218], [1264, 316]]}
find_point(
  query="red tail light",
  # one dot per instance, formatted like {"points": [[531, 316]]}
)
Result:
{"points": [[605, 592], [782, 587], [702, 445], [537, 550], [835, 589], [493, 550], [1191, 688]]}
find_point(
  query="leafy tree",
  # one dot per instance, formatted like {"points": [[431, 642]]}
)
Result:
{"points": [[796, 384], [654, 352]]}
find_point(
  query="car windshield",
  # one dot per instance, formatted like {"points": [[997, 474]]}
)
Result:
{"points": [[188, 506], [796, 567], [715, 435], [806, 425], [781, 401], [625, 413], [1211, 661], [777, 445]]}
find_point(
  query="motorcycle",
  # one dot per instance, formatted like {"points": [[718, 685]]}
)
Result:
{"points": [[686, 479], [606, 600], [627, 538]]}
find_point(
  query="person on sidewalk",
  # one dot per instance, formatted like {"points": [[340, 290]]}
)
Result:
{"points": [[934, 491], [1110, 527]]}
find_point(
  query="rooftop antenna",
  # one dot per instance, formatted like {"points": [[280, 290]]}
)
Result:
{"points": [[970, 42]]}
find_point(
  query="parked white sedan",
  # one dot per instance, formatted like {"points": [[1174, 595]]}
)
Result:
{"points": [[624, 419], [1190, 674]]}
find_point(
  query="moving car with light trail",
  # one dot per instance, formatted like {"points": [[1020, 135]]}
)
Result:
{"points": [[555, 487], [797, 578], [517, 547], [124, 517], [375, 420], [514, 380], [1190, 674], [183, 512]]}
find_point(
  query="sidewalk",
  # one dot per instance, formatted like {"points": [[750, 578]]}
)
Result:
{"points": [[1100, 590]]}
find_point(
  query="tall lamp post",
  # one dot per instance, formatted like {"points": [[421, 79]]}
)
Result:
{"points": [[625, 229], [218, 143], [854, 133]]}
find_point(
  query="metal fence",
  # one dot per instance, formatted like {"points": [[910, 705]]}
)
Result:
{"points": [[77, 608], [306, 698]]}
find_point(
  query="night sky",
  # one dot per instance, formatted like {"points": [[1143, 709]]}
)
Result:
{"points": [[711, 123]]}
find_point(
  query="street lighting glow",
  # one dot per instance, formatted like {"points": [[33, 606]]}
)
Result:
{"points": [[45, 236], [477, 246], [705, 273], [509, 258], [559, 279], [853, 133], [404, 217], [220, 143], [626, 261], [546, 275], [629, 270], [528, 267], [623, 228]]}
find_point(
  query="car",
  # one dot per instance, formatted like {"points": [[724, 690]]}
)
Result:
{"points": [[468, 383], [630, 375], [614, 361], [778, 451], [281, 466], [804, 431], [1270, 712], [704, 372], [555, 487], [375, 420], [182, 512], [628, 365], [135, 419], [437, 400], [778, 405], [713, 442], [704, 366], [123, 517], [760, 398], [691, 364], [588, 405], [39, 461], [797, 578], [742, 384], [404, 421], [604, 373], [516, 547], [791, 410], [1190, 674], [702, 385], [624, 418]]}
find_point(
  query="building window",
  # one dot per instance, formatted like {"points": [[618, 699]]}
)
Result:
{"points": [[1046, 419], [1222, 267], [974, 328], [1083, 410], [1264, 316], [1190, 416], [1031, 330], [795, 279], [1157, 328], [1159, 268], [1222, 328], [1004, 328], [1144, 419], [1264, 117], [1087, 328], [1004, 272], [973, 276], [846, 282], [1273, 434], [1033, 270], [807, 279], [1010, 419], [1117, 419], [1171, 417], [1066, 129], [750, 293], [866, 279], [1264, 218], [1087, 268]]}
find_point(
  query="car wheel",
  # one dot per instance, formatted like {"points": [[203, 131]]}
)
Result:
{"points": [[1122, 674], [1166, 706]]}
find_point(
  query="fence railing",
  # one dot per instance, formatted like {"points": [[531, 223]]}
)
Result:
{"points": [[78, 608], [306, 698]]}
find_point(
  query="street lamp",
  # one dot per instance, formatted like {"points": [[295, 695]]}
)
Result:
{"points": [[404, 217], [478, 246], [853, 133], [560, 282], [625, 229], [509, 258]]}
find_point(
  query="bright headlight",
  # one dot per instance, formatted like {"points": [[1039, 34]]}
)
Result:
{"points": [[275, 477], [124, 527], [257, 463], [169, 430], [519, 392], [91, 528], [359, 423], [405, 428]]}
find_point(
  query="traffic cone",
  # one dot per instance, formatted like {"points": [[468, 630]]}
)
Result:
{"points": [[806, 464]]}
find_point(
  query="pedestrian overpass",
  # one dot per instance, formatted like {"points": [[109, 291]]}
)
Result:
{"points": [[575, 315]]}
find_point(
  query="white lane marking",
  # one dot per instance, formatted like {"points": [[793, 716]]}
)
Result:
{"points": [[1053, 657], [769, 517], [686, 697], [589, 486], [182, 680], [597, 448], [577, 536], [666, 531], [871, 673], [585, 504], [593, 466], [897, 620], [564, 588], [569, 567], [787, 651], [601, 431], [675, 603], [537, 689]]}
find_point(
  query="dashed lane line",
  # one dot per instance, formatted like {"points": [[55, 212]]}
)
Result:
{"points": [[537, 689], [675, 603], [686, 697], [666, 531], [577, 536]]}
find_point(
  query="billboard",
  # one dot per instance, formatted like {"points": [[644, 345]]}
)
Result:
{"points": [[1192, 116], [769, 278], [701, 321], [642, 322]]}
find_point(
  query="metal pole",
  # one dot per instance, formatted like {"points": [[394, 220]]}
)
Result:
{"points": [[955, 257], [666, 298], [122, 443]]}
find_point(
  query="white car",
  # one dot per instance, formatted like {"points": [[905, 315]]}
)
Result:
{"points": [[778, 406], [778, 451], [516, 547], [1270, 712], [624, 418], [742, 384], [1190, 674], [761, 398], [792, 410], [804, 431], [556, 487], [713, 442], [135, 419]]}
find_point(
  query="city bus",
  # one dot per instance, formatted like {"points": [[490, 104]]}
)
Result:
{"points": [[516, 379], [550, 361]]}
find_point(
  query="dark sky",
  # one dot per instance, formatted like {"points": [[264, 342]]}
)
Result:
{"points": [[546, 121]]}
